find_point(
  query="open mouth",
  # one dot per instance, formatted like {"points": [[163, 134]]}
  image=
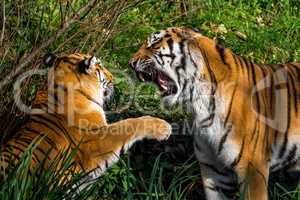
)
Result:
{"points": [[165, 84]]}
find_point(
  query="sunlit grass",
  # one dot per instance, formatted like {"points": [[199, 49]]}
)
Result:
{"points": [[265, 31]]}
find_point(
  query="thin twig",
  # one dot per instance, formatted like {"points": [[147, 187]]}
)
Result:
{"points": [[115, 14], [25, 60], [3, 23]]}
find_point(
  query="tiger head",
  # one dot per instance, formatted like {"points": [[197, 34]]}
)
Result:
{"points": [[173, 59], [82, 75]]}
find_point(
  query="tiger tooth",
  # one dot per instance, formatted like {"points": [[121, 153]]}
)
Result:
{"points": [[162, 81], [141, 77], [164, 87]]}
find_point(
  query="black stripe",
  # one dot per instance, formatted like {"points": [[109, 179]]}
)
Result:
{"points": [[272, 102], [158, 58], [285, 142], [193, 61], [122, 150], [237, 160], [183, 58], [170, 43], [206, 122], [25, 143], [14, 147], [292, 154], [240, 63], [246, 64], [46, 138], [13, 158], [252, 68], [88, 97], [223, 139], [182, 62], [255, 132], [214, 85], [184, 85], [106, 164], [191, 93], [230, 106], [38, 117], [294, 92], [28, 141], [297, 69], [44, 124], [221, 52], [59, 126], [231, 98], [178, 74], [25, 146], [257, 104], [210, 188]]}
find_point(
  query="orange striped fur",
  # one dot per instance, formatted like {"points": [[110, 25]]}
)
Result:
{"points": [[246, 115], [70, 113]]}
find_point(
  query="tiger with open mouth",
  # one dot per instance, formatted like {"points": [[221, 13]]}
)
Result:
{"points": [[246, 114]]}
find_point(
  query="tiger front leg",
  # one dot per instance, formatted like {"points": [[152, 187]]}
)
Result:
{"points": [[152, 128], [102, 146], [253, 181], [218, 185]]}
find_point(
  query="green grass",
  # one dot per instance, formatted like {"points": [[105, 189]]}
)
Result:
{"points": [[265, 31], [22, 181]]}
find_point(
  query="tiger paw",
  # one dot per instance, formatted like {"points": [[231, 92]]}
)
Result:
{"points": [[156, 128]]}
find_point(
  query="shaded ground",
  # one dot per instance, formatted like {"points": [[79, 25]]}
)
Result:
{"points": [[262, 30]]}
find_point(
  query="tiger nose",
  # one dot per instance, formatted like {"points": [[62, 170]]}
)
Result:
{"points": [[133, 62]]}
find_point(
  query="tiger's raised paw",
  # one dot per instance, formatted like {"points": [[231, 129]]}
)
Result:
{"points": [[156, 128]]}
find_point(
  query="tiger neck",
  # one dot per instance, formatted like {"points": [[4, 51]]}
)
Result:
{"points": [[217, 78], [79, 111], [218, 70], [219, 62]]}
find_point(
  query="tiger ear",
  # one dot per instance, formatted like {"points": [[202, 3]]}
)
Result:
{"points": [[87, 65], [220, 42], [194, 29], [197, 30], [49, 59]]}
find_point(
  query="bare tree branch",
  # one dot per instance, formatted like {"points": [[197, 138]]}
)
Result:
{"points": [[29, 58], [112, 20], [3, 23]]}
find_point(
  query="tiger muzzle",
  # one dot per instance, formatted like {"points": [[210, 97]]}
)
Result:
{"points": [[133, 62], [146, 72]]}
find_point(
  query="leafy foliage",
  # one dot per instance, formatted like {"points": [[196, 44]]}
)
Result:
{"points": [[21, 180], [265, 31]]}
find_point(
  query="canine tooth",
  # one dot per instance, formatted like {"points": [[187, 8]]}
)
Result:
{"points": [[141, 77], [164, 87], [162, 81]]}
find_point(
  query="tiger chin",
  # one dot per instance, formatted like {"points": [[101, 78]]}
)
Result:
{"points": [[246, 115], [69, 113]]}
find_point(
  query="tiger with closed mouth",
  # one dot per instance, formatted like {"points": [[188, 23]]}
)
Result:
{"points": [[69, 113], [246, 114]]}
